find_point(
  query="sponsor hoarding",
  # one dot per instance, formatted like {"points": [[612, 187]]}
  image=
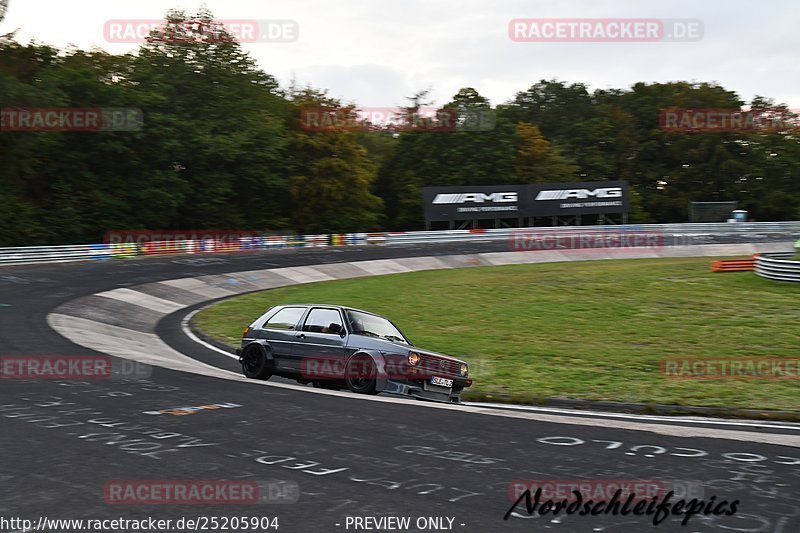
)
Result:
{"points": [[578, 198], [518, 201], [472, 203]]}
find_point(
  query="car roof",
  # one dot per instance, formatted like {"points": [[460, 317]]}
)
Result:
{"points": [[343, 307]]}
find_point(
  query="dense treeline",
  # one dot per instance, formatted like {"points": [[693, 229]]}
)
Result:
{"points": [[222, 147]]}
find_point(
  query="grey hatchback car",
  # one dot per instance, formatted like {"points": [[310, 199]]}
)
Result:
{"points": [[337, 347]]}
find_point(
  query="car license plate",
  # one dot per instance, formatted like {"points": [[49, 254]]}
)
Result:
{"points": [[442, 382]]}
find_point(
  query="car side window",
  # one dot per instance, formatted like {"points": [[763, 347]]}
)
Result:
{"points": [[319, 321], [286, 318]]}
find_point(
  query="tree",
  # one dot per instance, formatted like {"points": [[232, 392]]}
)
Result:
{"points": [[537, 161], [216, 126], [330, 174]]}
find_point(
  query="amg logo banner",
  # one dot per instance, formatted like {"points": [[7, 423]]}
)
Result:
{"points": [[565, 194], [477, 197], [483, 201]]}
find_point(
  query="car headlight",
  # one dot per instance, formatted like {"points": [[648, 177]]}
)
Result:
{"points": [[413, 359], [464, 369]]}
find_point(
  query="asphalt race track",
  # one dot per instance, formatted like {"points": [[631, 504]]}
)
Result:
{"points": [[63, 442]]}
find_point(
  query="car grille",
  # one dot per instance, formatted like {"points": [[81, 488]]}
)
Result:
{"points": [[432, 364]]}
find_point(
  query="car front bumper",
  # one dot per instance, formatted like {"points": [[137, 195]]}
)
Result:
{"points": [[422, 392]]}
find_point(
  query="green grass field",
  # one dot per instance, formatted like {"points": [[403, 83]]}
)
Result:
{"points": [[593, 330]]}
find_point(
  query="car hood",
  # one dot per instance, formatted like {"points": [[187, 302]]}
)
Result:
{"points": [[387, 346]]}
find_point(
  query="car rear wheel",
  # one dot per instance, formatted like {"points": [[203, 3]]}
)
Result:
{"points": [[255, 364], [361, 375]]}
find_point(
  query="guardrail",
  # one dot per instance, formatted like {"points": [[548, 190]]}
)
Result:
{"points": [[778, 267], [673, 235], [122, 250], [53, 254], [753, 229]]}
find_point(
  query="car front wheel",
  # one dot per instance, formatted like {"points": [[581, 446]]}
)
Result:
{"points": [[361, 375]]}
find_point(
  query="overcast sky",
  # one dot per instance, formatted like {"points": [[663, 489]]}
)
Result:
{"points": [[377, 52]]}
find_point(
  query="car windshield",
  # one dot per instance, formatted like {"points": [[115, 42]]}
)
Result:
{"points": [[374, 326]]}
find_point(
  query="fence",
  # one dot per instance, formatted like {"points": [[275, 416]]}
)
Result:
{"points": [[678, 234], [778, 267]]}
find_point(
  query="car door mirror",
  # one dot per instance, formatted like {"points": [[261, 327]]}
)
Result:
{"points": [[336, 328]]}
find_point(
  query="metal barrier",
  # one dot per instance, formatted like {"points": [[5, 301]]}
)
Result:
{"points": [[691, 232], [778, 267], [54, 254], [674, 235]]}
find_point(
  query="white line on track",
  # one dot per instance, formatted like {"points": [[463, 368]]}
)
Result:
{"points": [[189, 333]]}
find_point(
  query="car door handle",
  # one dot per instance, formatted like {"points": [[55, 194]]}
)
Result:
{"points": [[301, 336]]}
